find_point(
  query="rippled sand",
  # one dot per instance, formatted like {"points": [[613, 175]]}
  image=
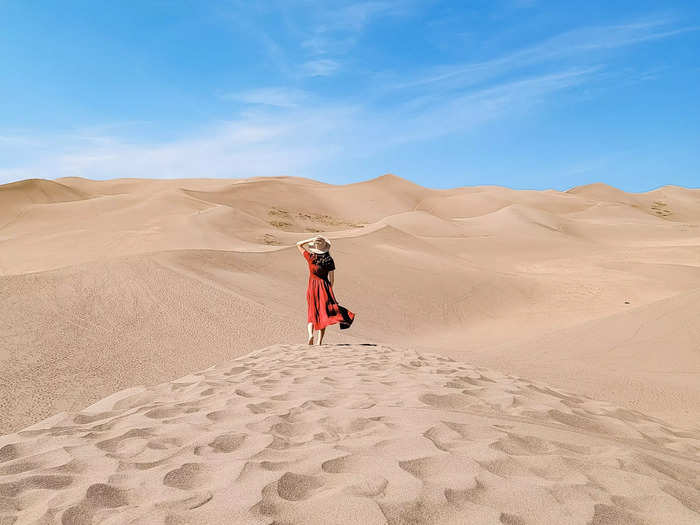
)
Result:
{"points": [[350, 433]]}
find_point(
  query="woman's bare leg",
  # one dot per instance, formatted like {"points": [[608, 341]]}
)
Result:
{"points": [[322, 331], [310, 329]]}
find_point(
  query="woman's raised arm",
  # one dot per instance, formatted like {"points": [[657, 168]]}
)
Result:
{"points": [[300, 244]]}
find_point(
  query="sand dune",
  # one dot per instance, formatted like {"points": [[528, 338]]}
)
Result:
{"points": [[16, 196], [646, 357], [38, 191], [140, 311], [599, 191], [668, 202], [466, 271], [112, 285], [350, 434]]}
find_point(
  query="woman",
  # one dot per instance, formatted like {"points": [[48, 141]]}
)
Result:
{"points": [[323, 309]]}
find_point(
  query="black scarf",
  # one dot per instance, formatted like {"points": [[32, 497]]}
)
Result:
{"points": [[324, 260]]}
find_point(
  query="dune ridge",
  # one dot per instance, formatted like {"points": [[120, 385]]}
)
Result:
{"points": [[349, 433]]}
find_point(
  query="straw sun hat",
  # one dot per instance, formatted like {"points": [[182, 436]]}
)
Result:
{"points": [[319, 245]]}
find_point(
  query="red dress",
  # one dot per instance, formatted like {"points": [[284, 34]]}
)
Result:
{"points": [[323, 307]]}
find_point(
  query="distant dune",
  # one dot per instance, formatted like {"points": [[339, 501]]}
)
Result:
{"points": [[16, 196], [602, 192]]}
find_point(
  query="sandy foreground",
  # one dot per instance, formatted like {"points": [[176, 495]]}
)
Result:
{"points": [[115, 286], [350, 433]]}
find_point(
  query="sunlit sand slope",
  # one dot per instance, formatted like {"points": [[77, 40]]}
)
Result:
{"points": [[349, 433]]}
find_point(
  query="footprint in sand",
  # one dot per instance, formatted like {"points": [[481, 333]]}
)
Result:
{"points": [[163, 412], [98, 496], [295, 487], [14, 488], [12, 451], [188, 476], [139, 435], [227, 442]]}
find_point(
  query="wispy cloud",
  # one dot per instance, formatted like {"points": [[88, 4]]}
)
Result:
{"points": [[16, 141], [329, 31], [281, 97], [575, 43], [320, 68], [353, 17], [258, 143], [294, 139], [432, 116]]}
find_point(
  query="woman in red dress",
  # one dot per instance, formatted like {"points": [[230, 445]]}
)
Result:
{"points": [[323, 308]]}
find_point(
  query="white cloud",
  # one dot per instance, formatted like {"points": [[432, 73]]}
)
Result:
{"points": [[334, 31], [356, 16], [272, 96], [292, 140], [432, 116], [16, 141], [318, 33], [320, 68], [259, 143], [580, 42]]}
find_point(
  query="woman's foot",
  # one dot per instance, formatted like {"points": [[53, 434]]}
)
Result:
{"points": [[310, 332]]}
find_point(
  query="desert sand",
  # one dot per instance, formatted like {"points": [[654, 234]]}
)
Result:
{"points": [[350, 433], [585, 301]]}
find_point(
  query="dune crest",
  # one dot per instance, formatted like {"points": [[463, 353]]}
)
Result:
{"points": [[350, 433], [15, 196], [39, 191], [600, 191]]}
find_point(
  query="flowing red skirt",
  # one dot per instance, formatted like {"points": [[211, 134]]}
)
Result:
{"points": [[323, 307]]}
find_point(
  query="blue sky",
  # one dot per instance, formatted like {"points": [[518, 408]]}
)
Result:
{"points": [[525, 94]]}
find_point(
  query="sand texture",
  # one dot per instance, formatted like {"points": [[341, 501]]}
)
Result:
{"points": [[350, 433], [119, 285]]}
